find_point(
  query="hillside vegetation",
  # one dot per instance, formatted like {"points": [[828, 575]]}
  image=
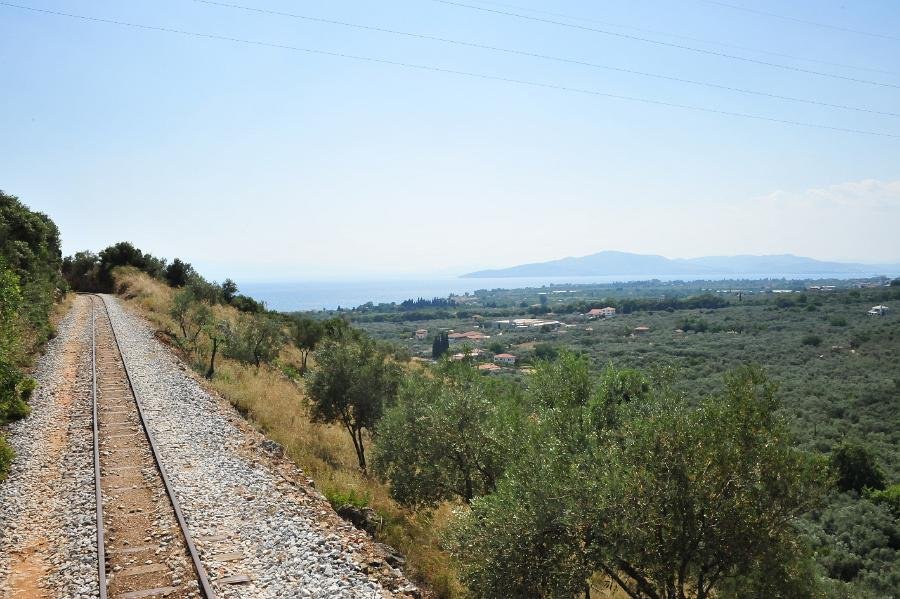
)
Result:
{"points": [[30, 283], [836, 367], [272, 396], [574, 481]]}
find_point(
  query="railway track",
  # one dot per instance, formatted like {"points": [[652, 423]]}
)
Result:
{"points": [[143, 545]]}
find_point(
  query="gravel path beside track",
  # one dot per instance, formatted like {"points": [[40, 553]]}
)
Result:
{"points": [[47, 519], [252, 514]]}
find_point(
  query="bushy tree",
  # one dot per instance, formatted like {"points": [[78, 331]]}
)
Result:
{"points": [[350, 384], [444, 438], [698, 497], [203, 289], [124, 253], [82, 271], [178, 273], [247, 304], [667, 500], [856, 468], [256, 339], [190, 315], [306, 334], [30, 248], [15, 387], [229, 291]]}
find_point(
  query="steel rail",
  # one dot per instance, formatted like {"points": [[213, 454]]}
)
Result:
{"points": [[205, 586], [101, 543]]}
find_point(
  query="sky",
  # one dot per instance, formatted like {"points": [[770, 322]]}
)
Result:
{"points": [[310, 149]]}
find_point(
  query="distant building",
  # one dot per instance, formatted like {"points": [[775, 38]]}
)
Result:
{"points": [[470, 337], [473, 354], [601, 312], [878, 310], [641, 330], [421, 334], [507, 359], [489, 368], [527, 323]]}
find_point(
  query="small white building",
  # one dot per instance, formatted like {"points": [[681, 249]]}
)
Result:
{"points": [[878, 310], [421, 334]]}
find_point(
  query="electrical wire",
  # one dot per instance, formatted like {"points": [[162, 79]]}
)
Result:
{"points": [[547, 57], [692, 39], [666, 44], [764, 13], [420, 67]]}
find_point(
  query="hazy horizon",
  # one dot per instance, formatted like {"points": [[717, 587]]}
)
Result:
{"points": [[446, 274]]}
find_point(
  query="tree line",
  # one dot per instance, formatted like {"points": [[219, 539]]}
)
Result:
{"points": [[30, 283]]}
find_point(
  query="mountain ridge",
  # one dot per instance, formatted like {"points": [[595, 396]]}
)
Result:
{"points": [[610, 262]]}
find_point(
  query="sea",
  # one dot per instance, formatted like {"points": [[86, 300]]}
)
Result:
{"points": [[289, 296]]}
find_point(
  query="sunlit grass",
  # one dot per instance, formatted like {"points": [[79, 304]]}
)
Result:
{"points": [[277, 406]]}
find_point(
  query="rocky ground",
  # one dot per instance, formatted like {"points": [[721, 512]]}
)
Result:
{"points": [[47, 505], [251, 512], [261, 527]]}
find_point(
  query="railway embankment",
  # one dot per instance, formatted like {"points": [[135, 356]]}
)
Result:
{"points": [[260, 526]]}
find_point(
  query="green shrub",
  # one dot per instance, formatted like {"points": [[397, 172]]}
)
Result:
{"points": [[338, 497], [813, 340], [6, 457], [856, 468], [889, 497], [837, 321]]}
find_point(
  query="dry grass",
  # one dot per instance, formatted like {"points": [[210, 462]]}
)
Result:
{"points": [[277, 406]]}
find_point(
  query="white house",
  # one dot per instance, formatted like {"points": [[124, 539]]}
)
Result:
{"points": [[878, 310], [421, 334]]}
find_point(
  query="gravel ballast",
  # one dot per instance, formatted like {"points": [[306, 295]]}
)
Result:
{"points": [[252, 514], [47, 504]]}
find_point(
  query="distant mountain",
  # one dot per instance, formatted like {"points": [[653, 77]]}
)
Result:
{"points": [[626, 264]]}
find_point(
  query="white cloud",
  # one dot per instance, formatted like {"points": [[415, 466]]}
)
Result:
{"points": [[868, 194]]}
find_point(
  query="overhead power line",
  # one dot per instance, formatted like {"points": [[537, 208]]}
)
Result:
{"points": [[421, 67], [765, 13], [547, 57], [692, 39], [665, 44]]}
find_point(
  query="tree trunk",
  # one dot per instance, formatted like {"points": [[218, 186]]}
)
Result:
{"points": [[212, 359], [360, 450]]}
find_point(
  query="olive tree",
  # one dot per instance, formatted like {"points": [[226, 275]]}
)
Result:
{"points": [[444, 438], [667, 499], [190, 314], [306, 334], [256, 339], [350, 385]]}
